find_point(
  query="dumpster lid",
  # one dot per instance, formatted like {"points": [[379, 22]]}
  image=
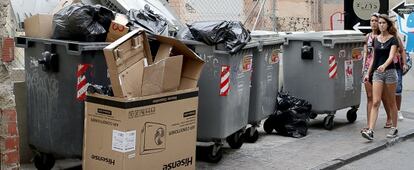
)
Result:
{"points": [[317, 36], [73, 47], [328, 38], [267, 37]]}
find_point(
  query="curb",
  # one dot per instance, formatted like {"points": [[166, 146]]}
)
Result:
{"points": [[348, 158]]}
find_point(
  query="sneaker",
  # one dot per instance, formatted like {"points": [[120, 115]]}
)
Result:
{"points": [[368, 134], [400, 116], [392, 133]]}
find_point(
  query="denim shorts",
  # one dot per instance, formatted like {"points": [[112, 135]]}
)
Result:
{"points": [[399, 83], [389, 76]]}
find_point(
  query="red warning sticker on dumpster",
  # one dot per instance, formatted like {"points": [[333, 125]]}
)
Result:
{"points": [[246, 63], [82, 84], [225, 80], [332, 67]]}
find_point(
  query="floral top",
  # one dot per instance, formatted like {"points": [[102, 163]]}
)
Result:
{"points": [[370, 55]]}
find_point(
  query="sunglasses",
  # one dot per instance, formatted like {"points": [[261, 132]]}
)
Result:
{"points": [[376, 14]]}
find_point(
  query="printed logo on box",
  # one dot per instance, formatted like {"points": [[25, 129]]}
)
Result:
{"points": [[153, 138]]}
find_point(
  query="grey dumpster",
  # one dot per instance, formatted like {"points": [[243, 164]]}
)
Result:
{"points": [[265, 80], [224, 89], [324, 68], [57, 73]]}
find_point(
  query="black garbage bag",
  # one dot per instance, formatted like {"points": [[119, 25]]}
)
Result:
{"points": [[292, 117], [81, 22], [291, 123], [147, 19], [231, 33], [184, 34]]}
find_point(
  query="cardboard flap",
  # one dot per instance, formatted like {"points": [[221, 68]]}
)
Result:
{"points": [[163, 52], [162, 76], [129, 41], [131, 79], [192, 63]]}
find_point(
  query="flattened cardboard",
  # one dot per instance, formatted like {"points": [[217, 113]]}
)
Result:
{"points": [[122, 54], [163, 52], [39, 26], [192, 63], [131, 81], [162, 76], [160, 132], [118, 28]]}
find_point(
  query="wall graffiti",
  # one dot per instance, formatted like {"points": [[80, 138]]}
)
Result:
{"points": [[293, 24]]}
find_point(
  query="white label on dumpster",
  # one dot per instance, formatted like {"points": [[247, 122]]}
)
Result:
{"points": [[124, 141], [342, 54], [357, 54], [246, 63], [275, 57], [320, 57], [349, 78]]}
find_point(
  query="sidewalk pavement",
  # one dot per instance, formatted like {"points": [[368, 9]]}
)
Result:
{"points": [[320, 149]]}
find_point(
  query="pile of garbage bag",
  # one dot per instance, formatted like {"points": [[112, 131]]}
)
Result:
{"points": [[90, 23], [147, 19], [82, 23], [292, 117], [231, 33]]}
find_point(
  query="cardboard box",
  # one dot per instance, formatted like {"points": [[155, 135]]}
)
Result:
{"points": [[121, 55], [166, 74], [162, 76], [117, 28], [62, 4], [154, 132], [39, 26]]}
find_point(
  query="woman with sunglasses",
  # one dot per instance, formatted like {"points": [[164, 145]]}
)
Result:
{"points": [[384, 75]]}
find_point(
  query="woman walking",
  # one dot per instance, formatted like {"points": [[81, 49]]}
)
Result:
{"points": [[368, 56], [384, 75]]}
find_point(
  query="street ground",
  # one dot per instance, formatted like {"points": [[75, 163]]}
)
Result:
{"points": [[320, 149]]}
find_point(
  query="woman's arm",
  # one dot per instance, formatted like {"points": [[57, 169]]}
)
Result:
{"points": [[390, 58], [403, 54]]}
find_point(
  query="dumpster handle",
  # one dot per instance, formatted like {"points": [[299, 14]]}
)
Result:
{"points": [[73, 49], [331, 43], [49, 60], [23, 42]]}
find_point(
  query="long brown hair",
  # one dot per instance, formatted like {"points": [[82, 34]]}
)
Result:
{"points": [[377, 31], [391, 27]]}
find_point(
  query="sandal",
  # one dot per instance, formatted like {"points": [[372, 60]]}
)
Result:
{"points": [[387, 125]]}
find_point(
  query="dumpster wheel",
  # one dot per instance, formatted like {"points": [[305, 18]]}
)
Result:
{"points": [[251, 137], [328, 122], [44, 161], [211, 154], [236, 140], [351, 115]]}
